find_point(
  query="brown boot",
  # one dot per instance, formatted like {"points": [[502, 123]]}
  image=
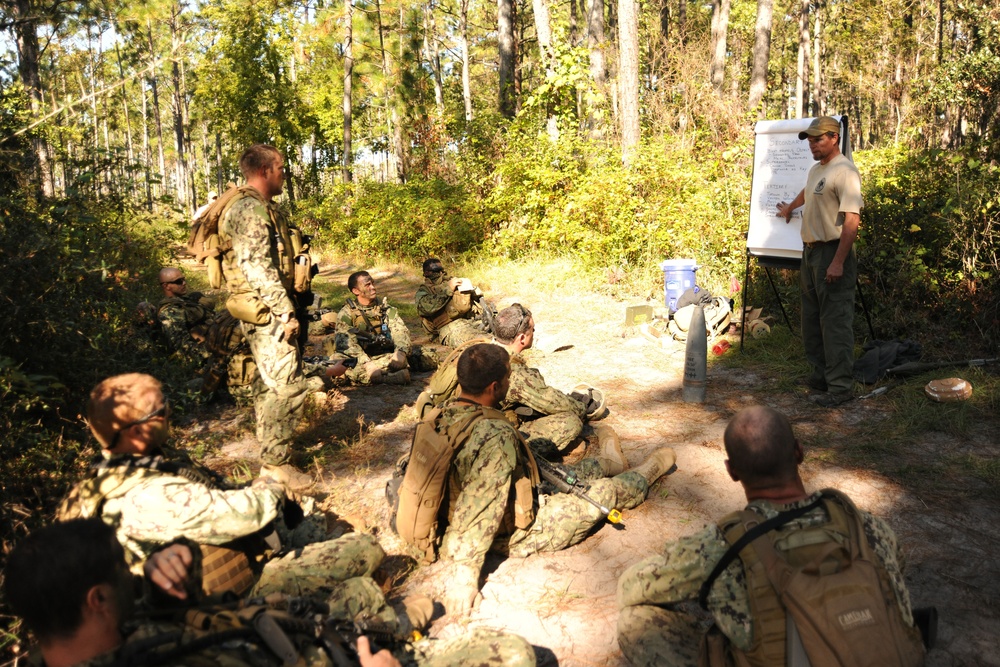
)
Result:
{"points": [[399, 377], [658, 463], [290, 478], [609, 450], [374, 373], [398, 362]]}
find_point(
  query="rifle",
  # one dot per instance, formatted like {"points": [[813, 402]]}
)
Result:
{"points": [[384, 337], [270, 620], [915, 367], [350, 362], [567, 482]]}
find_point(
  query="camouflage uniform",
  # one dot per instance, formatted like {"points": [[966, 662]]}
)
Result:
{"points": [[177, 316], [153, 500], [479, 647], [660, 623], [481, 514], [260, 267], [433, 298], [563, 414], [350, 322]]}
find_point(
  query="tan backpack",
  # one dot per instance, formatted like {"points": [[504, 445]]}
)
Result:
{"points": [[818, 595], [204, 242], [419, 512], [718, 315]]}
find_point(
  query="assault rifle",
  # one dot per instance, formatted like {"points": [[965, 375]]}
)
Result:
{"points": [[567, 482], [272, 621], [350, 362]]}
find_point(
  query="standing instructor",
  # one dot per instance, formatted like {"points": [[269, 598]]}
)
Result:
{"points": [[830, 222]]}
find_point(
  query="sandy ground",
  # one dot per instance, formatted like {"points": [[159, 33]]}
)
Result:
{"points": [[566, 601]]}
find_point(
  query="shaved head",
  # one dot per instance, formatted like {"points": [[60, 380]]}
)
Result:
{"points": [[121, 400], [169, 274], [761, 447]]}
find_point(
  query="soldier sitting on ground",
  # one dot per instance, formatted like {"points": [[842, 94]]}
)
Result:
{"points": [[493, 482], [549, 419], [373, 333], [71, 586], [184, 317], [450, 309], [255, 537], [822, 533]]}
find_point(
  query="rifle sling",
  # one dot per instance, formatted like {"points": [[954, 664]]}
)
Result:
{"points": [[734, 551]]}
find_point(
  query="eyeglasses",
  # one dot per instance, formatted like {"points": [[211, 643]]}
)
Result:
{"points": [[179, 281], [162, 411], [525, 324]]}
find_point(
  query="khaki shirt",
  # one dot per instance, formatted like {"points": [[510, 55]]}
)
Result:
{"points": [[832, 190]]}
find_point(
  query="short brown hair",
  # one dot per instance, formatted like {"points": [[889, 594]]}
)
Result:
{"points": [[257, 159], [760, 445], [482, 365]]}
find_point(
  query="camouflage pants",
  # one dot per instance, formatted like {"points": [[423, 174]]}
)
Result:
{"points": [[339, 569], [650, 636], [564, 519], [281, 392], [559, 430], [457, 332], [359, 374], [242, 376], [479, 647]]}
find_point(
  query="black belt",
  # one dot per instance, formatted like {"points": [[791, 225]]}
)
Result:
{"points": [[816, 244]]}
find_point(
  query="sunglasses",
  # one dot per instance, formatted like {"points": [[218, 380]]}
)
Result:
{"points": [[179, 281], [161, 411]]}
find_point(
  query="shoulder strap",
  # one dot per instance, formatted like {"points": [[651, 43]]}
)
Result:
{"points": [[733, 552]]}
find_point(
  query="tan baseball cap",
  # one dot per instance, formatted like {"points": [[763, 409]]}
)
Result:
{"points": [[821, 125]]}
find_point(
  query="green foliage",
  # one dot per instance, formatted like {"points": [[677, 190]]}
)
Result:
{"points": [[414, 220], [673, 203], [930, 236]]}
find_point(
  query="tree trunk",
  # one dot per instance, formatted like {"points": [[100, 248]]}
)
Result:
{"points": [[464, 37], [433, 56], [156, 107], [682, 13], [802, 64], [348, 83], [628, 75], [720, 25], [26, 35], [818, 105], [595, 42], [761, 56], [147, 158], [505, 27], [128, 121], [543, 29], [665, 20]]}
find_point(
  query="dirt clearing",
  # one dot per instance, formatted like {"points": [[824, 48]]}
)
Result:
{"points": [[565, 601]]}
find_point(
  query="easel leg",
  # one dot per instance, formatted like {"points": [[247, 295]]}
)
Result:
{"points": [[746, 299], [777, 296], [864, 306]]}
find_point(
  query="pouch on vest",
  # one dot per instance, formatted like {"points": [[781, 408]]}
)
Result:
{"points": [[225, 570], [249, 308]]}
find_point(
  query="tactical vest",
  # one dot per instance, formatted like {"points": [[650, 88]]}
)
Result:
{"points": [[457, 307], [195, 314], [422, 515], [224, 568], [285, 244], [443, 385], [853, 604], [373, 320]]}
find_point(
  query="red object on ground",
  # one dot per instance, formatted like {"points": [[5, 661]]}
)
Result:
{"points": [[721, 347]]}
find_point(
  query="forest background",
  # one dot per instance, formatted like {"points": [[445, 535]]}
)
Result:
{"points": [[617, 134]]}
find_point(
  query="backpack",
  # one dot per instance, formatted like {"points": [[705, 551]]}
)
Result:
{"points": [[223, 340], [718, 314], [419, 498], [204, 242], [822, 599], [444, 383]]}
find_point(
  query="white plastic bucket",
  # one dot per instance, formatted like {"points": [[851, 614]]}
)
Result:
{"points": [[678, 276]]}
